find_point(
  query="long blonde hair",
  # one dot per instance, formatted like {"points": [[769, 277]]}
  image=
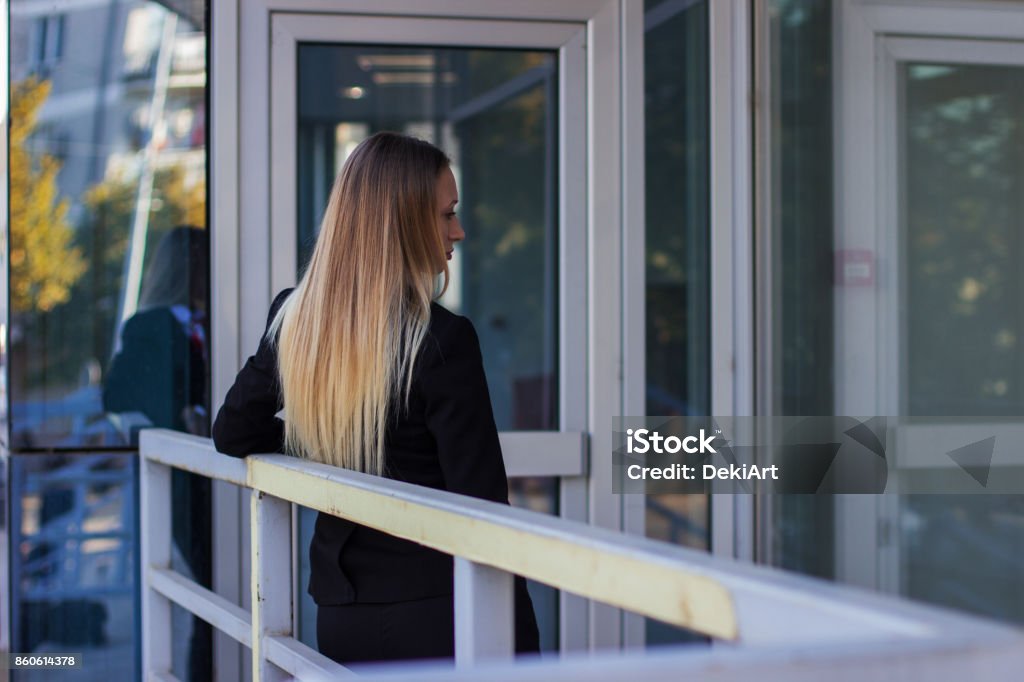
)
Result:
{"points": [[351, 329]]}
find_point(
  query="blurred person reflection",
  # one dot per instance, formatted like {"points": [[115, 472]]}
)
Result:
{"points": [[159, 370], [160, 356]]}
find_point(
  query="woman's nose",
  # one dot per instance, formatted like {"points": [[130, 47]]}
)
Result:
{"points": [[456, 234]]}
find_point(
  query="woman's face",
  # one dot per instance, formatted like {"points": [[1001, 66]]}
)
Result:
{"points": [[447, 197]]}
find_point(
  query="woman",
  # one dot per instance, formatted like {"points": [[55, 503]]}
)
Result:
{"points": [[374, 376]]}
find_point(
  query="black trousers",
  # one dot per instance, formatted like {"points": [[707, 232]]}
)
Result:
{"points": [[407, 630]]}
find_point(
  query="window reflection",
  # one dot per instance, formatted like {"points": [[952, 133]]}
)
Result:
{"points": [[108, 155], [801, 528], [964, 148], [494, 113], [158, 372], [677, 331], [109, 273], [73, 573], [954, 281]]}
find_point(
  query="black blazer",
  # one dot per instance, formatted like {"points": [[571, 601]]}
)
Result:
{"points": [[447, 440]]}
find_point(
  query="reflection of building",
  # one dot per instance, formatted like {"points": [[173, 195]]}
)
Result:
{"points": [[644, 236], [124, 116], [95, 119], [74, 531], [126, 119]]}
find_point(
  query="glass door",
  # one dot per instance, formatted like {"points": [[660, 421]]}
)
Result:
{"points": [[494, 97], [893, 197], [954, 110], [495, 113], [929, 320]]}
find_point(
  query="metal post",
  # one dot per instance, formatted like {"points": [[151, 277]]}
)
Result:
{"points": [[271, 595], [155, 502], [483, 613]]}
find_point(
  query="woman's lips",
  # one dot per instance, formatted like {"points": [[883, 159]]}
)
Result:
{"points": [[450, 255]]}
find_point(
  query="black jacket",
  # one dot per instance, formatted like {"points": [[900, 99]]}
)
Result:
{"points": [[447, 440]]}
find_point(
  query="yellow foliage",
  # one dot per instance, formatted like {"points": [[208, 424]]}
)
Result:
{"points": [[44, 264]]}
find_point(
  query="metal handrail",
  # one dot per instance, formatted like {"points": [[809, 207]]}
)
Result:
{"points": [[728, 600]]}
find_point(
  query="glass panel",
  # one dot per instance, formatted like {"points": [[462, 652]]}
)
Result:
{"points": [[75, 561], [964, 213], [677, 251], [965, 552], [108, 251], [108, 258], [494, 113], [5, 542], [800, 528], [962, 227], [952, 276], [540, 494]]}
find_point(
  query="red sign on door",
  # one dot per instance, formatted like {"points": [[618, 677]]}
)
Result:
{"points": [[855, 268]]}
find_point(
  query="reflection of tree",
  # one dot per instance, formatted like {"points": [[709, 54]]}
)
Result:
{"points": [[964, 185], [677, 226], [43, 263], [490, 69], [803, 536], [89, 315], [801, 157]]}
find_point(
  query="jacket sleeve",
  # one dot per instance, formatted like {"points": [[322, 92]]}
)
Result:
{"points": [[459, 415], [246, 422]]}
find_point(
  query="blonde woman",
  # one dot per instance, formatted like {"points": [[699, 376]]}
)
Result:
{"points": [[375, 376]]}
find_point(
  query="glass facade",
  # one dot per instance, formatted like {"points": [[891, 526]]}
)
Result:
{"points": [[108, 332], [108, 251], [677, 296], [105, 285], [799, 201], [961, 227], [962, 147], [931, 291], [73, 577]]}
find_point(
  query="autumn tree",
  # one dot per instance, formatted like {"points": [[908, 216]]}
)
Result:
{"points": [[44, 264], [90, 315], [111, 210]]}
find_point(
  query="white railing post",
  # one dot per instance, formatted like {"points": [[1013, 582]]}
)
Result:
{"points": [[155, 505], [484, 613], [271, 580]]}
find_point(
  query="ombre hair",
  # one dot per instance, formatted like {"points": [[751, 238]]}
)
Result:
{"points": [[352, 328]]}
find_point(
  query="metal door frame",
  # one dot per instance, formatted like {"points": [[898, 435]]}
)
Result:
{"points": [[537, 453]]}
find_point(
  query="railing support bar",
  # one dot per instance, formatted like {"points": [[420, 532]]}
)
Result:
{"points": [[271, 577], [155, 503], [484, 613]]}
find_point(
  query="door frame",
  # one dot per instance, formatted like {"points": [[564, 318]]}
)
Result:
{"points": [[559, 453], [527, 453], [733, 369], [894, 51], [610, 206], [867, 218]]}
